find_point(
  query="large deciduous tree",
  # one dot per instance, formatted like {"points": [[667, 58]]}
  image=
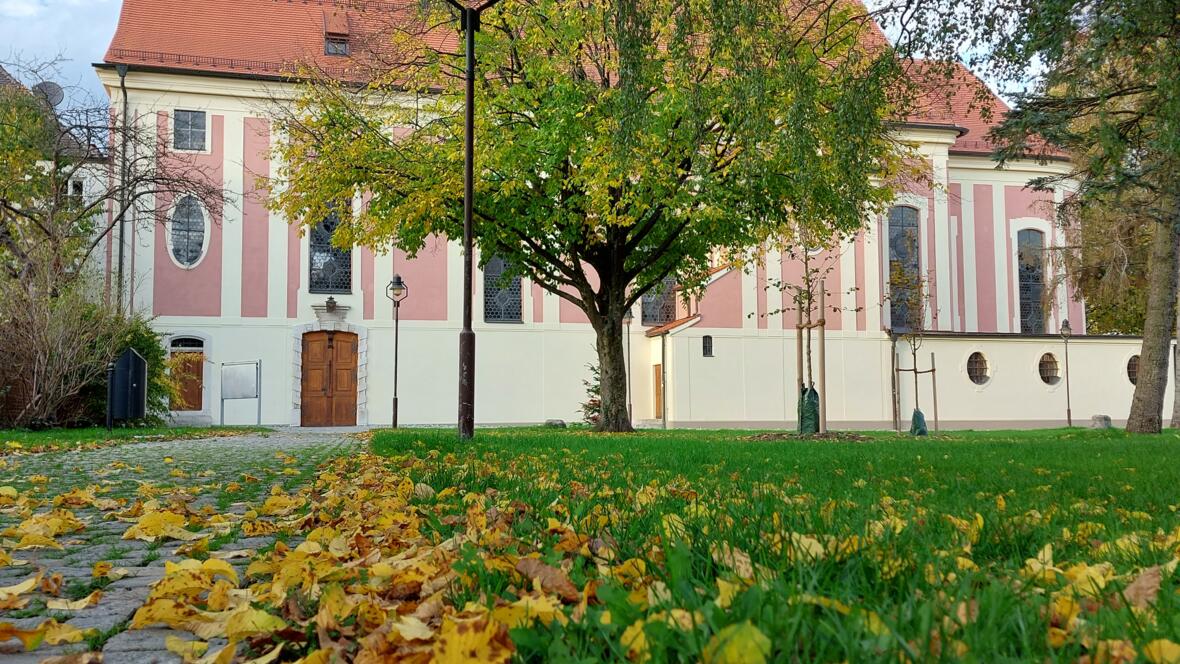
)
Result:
{"points": [[619, 143], [1097, 79]]}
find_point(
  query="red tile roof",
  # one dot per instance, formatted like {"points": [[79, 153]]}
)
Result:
{"points": [[257, 38], [271, 38]]}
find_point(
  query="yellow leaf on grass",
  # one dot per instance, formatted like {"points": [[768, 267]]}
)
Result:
{"points": [[1162, 651], [524, 611], [76, 605], [742, 643], [465, 638], [872, 621]]}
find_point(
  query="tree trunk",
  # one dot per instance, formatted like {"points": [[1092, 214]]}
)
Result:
{"points": [[612, 367], [1147, 406]]}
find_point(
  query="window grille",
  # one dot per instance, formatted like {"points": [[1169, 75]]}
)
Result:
{"points": [[659, 303], [187, 344], [1030, 269], [1049, 369], [330, 266], [707, 345], [188, 231], [1133, 369], [977, 369], [501, 293], [904, 269], [188, 130]]}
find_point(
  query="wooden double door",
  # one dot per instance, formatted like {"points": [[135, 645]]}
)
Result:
{"points": [[329, 379]]}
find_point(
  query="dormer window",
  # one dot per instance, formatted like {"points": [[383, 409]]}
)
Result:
{"points": [[336, 32]]}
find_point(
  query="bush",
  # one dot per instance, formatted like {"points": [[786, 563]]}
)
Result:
{"points": [[137, 334]]}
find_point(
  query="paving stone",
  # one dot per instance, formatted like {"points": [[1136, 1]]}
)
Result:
{"points": [[122, 471]]}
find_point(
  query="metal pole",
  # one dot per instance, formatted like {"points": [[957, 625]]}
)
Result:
{"points": [[630, 414], [934, 389], [396, 337], [1068, 405], [823, 378], [221, 391], [258, 389], [110, 395], [467, 335]]}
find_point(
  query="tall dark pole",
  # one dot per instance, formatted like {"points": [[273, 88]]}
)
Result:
{"points": [[396, 291], [467, 335], [397, 305]]}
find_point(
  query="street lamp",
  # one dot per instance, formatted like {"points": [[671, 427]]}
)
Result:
{"points": [[1066, 331], [469, 22], [627, 318], [396, 291]]}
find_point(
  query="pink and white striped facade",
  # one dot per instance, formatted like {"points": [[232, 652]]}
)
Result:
{"points": [[247, 298]]}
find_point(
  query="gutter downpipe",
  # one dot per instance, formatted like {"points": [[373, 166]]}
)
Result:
{"points": [[123, 203]]}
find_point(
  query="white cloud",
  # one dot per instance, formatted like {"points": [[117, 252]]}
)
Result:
{"points": [[75, 31]]}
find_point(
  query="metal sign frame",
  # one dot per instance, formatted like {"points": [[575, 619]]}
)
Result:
{"points": [[257, 387]]}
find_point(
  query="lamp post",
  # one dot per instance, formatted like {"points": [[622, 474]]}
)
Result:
{"points": [[1066, 331], [470, 24], [396, 291], [627, 318]]}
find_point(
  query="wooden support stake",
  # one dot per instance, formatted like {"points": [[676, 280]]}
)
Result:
{"points": [[934, 389]]}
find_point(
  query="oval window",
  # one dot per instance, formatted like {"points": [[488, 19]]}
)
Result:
{"points": [[188, 231], [977, 369], [1133, 369], [1049, 369]]}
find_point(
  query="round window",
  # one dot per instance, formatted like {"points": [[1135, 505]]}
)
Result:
{"points": [[1133, 369], [977, 369], [1049, 369], [188, 231]]}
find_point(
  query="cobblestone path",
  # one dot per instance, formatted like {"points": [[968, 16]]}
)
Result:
{"points": [[217, 475]]}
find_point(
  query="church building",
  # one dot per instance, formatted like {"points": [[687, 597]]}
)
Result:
{"points": [[246, 293]]}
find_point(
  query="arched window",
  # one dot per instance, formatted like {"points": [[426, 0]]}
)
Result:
{"points": [[904, 269], [659, 303], [501, 293], [188, 231], [1030, 270], [1133, 369], [707, 345], [329, 267]]}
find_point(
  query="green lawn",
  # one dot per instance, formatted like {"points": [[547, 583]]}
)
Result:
{"points": [[51, 439], [891, 549]]}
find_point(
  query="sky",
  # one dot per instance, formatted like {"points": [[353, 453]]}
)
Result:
{"points": [[77, 31]]}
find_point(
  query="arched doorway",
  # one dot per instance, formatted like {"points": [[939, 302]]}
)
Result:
{"points": [[329, 382], [188, 371]]}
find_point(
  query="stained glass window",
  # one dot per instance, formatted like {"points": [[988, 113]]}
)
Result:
{"points": [[188, 231], [330, 267], [904, 269], [501, 293], [659, 303], [1030, 269]]}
